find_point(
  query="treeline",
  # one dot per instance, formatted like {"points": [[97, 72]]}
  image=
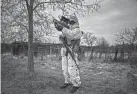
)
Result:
{"points": [[127, 38]]}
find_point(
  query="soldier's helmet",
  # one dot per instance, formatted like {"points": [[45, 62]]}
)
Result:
{"points": [[74, 18]]}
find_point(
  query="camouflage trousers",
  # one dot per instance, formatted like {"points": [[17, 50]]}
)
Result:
{"points": [[70, 70]]}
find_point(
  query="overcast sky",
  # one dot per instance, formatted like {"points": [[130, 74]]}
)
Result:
{"points": [[113, 16]]}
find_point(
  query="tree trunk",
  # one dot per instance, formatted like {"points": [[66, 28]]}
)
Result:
{"points": [[91, 54], [122, 52], [100, 55], [123, 48], [116, 52], [30, 40]]}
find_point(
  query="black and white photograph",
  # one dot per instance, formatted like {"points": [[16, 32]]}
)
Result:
{"points": [[68, 46]]}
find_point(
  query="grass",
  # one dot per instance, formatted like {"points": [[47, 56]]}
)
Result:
{"points": [[97, 76]]}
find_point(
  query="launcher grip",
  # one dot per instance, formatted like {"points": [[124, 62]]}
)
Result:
{"points": [[61, 23]]}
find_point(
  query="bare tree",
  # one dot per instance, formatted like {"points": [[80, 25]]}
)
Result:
{"points": [[103, 46], [31, 16], [127, 37], [10, 14], [135, 37], [116, 52], [90, 40]]}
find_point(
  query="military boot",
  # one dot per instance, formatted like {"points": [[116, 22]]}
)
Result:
{"points": [[65, 85], [74, 89]]}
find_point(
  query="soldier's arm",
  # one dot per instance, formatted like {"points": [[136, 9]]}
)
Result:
{"points": [[72, 34]]}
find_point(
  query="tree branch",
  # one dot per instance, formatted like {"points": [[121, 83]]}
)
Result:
{"points": [[27, 4], [51, 2], [7, 7]]}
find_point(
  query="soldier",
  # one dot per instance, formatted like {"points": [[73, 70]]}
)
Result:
{"points": [[71, 38]]}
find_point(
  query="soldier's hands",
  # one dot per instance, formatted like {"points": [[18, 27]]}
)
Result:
{"points": [[57, 25]]}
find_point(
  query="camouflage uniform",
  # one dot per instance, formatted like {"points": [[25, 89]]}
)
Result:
{"points": [[70, 69]]}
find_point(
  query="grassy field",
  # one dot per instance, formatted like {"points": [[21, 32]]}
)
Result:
{"points": [[97, 76]]}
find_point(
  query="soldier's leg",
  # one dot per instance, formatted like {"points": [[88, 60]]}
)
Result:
{"points": [[65, 68], [74, 74]]}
